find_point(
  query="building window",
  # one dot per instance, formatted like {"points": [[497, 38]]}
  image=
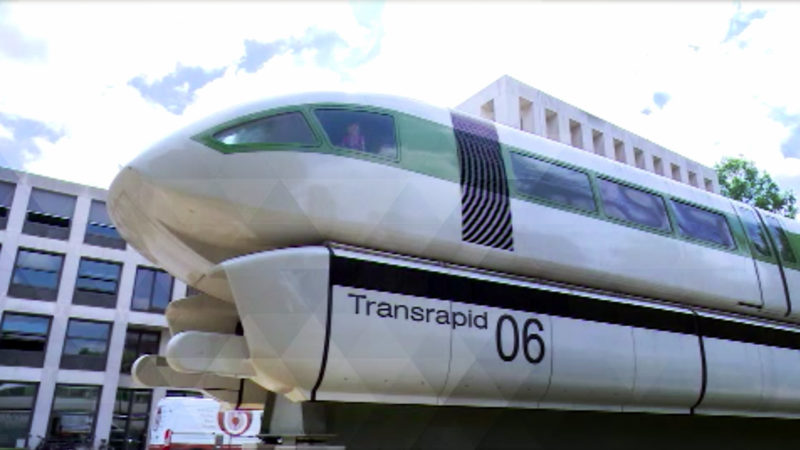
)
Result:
{"points": [[138, 343], [6, 198], [692, 178], [100, 230], [192, 291], [189, 394], [576, 134], [36, 275], [131, 415], [676, 172], [525, 115], [487, 110], [598, 143], [619, 151], [73, 414], [16, 412], [658, 166], [97, 283], [23, 339], [152, 290], [709, 184], [551, 124], [49, 214], [86, 345], [638, 156]]}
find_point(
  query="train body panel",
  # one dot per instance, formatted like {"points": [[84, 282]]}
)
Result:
{"points": [[341, 324], [244, 222]]}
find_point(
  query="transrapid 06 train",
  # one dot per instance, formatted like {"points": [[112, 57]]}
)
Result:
{"points": [[366, 248]]}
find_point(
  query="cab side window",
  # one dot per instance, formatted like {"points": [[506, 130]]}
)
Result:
{"points": [[285, 128], [360, 130]]}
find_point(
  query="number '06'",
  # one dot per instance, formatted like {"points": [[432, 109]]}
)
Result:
{"points": [[529, 337]]}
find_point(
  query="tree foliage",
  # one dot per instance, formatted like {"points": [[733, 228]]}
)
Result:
{"points": [[741, 180]]}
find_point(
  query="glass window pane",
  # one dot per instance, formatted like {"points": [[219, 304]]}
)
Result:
{"points": [[633, 205], [51, 203], [102, 286], [360, 130], [102, 230], [74, 407], [85, 347], [16, 409], [92, 330], [780, 239], [41, 261], [754, 231], [17, 395], [21, 323], [149, 343], [551, 182], [99, 269], [6, 193], [35, 278], [701, 224], [141, 404], [161, 290], [75, 398], [143, 288], [98, 213], [286, 128]]}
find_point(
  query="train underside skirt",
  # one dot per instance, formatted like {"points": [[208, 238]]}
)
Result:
{"points": [[342, 324]]}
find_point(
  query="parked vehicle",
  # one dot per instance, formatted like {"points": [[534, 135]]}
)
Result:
{"points": [[202, 423]]}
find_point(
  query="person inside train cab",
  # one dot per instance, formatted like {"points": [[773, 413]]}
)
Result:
{"points": [[353, 138]]}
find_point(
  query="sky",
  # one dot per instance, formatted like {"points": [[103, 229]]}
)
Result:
{"points": [[86, 86]]}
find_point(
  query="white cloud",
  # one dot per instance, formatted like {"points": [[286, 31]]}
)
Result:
{"points": [[5, 133], [608, 59]]}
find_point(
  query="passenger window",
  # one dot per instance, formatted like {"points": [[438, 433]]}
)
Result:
{"points": [[754, 231], [704, 225], [360, 130], [633, 205], [286, 128], [780, 239], [551, 182]]}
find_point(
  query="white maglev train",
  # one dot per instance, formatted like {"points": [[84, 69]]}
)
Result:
{"points": [[365, 248]]}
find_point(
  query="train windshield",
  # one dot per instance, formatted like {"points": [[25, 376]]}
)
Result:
{"points": [[360, 130], [285, 128]]}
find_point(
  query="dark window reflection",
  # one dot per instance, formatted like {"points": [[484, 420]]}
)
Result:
{"points": [[152, 290]]}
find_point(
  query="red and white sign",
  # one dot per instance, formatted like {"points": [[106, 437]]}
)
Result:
{"points": [[235, 422]]}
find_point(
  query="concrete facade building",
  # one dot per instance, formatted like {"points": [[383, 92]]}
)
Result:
{"points": [[518, 105], [77, 306]]}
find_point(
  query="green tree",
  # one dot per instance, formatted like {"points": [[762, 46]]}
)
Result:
{"points": [[741, 180]]}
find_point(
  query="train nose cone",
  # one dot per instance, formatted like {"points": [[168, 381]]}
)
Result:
{"points": [[153, 202]]}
